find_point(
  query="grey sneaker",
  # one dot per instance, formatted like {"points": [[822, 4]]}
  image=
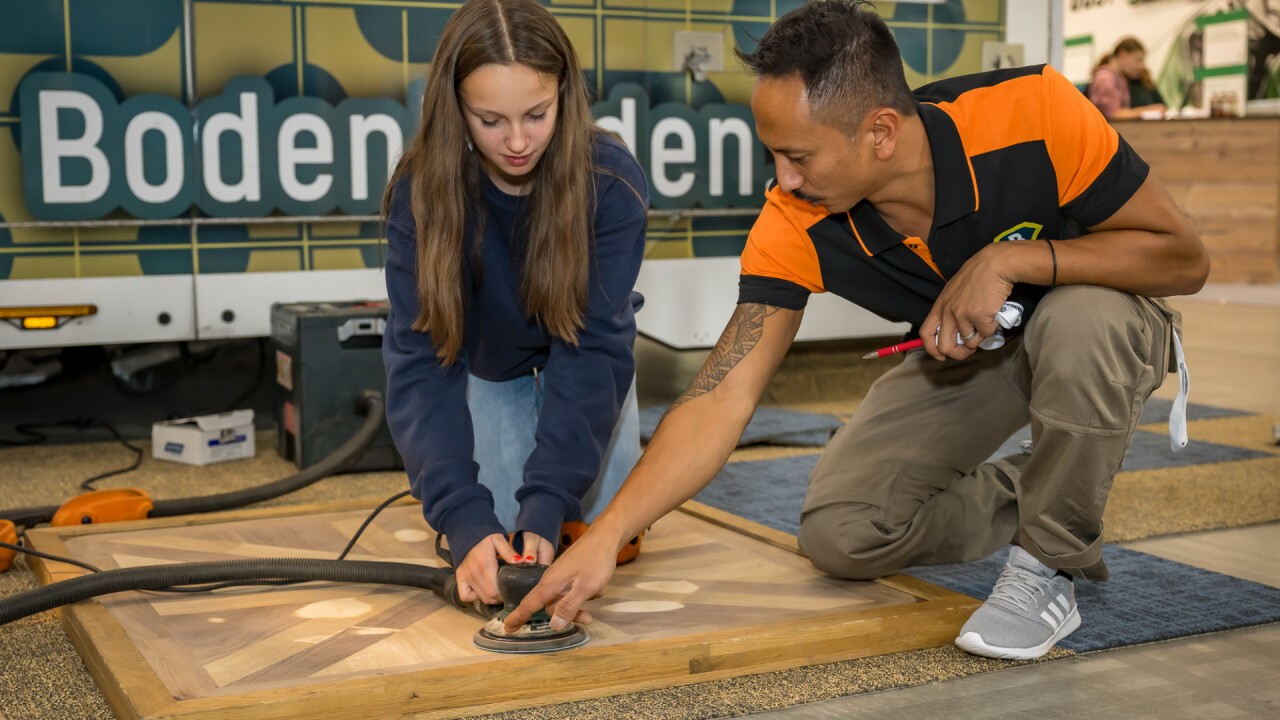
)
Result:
{"points": [[1026, 614]]}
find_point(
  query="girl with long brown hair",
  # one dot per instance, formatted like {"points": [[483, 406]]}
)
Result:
{"points": [[515, 230]]}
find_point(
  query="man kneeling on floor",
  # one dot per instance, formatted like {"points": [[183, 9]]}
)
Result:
{"points": [[935, 208]]}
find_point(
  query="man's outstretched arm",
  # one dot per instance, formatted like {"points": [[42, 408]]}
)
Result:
{"points": [[692, 443]]}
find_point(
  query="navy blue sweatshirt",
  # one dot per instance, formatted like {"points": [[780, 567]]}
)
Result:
{"points": [[426, 401]]}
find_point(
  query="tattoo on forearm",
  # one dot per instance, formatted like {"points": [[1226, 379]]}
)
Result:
{"points": [[743, 333]]}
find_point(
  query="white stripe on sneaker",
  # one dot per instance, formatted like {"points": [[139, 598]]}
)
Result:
{"points": [[972, 642], [1005, 625]]}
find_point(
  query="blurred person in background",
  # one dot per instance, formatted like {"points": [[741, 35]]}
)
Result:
{"points": [[1113, 79]]}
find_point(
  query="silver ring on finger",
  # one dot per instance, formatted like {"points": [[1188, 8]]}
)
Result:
{"points": [[970, 336]]}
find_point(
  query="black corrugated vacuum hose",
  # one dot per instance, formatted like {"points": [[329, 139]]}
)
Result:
{"points": [[156, 577], [369, 404]]}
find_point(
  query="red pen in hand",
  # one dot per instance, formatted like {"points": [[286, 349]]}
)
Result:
{"points": [[1009, 316], [908, 345], [894, 349]]}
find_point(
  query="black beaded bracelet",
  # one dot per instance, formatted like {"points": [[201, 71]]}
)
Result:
{"points": [[1053, 254]]}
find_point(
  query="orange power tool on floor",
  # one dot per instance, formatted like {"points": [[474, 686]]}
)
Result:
{"points": [[117, 504], [96, 506], [103, 506]]}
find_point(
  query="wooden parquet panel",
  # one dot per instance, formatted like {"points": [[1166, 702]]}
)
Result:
{"points": [[711, 596]]}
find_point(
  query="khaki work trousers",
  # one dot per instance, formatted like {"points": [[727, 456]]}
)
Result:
{"points": [[907, 481]]}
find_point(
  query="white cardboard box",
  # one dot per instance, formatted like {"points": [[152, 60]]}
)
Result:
{"points": [[204, 440]]}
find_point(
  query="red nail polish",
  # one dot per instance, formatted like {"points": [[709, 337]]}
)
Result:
{"points": [[515, 558], [529, 557]]}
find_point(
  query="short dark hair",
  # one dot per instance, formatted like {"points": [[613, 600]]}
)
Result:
{"points": [[845, 54]]}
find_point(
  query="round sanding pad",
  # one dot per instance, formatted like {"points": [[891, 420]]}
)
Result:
{"points": [[491, 637]]}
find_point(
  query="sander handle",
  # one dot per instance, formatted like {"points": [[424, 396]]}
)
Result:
{"points": [[445, 585], [514, 582]]}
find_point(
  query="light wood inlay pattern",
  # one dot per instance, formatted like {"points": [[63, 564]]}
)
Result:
{"points": [[735, 598]]}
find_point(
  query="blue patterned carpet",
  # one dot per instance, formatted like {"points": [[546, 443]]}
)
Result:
{"points": [[770, 425], [1147, 599]]}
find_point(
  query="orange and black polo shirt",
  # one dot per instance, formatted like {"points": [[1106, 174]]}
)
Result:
{"points": [[1017, 154]]}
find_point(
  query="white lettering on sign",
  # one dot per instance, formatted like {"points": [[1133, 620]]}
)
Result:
{"points": [[685, 152], [174, 162], [86, 154], [624, 126], [720, 129], [53, 148], [246, 126], [362, 126], [292, 155]]}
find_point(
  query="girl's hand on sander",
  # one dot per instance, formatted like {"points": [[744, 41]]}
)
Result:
{"points": [[477, 574], [538, 549]]}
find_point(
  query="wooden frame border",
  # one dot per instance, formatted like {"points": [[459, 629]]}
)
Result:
{"points": [[135, 692]]}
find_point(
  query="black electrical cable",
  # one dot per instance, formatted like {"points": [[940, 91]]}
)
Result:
{"points": [[258, 375], [369, 404], [155, 577], [35, 437], [219, 586], [254, 572], [341, 556], [364, 525], [87, 485], [32, 437], [49, 556], [234, 572]]}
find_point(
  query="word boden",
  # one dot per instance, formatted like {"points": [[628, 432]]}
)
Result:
{"points": [[242, 154], [238, 154], [707, 157]]}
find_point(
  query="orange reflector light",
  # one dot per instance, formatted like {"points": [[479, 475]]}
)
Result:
{"points": [[41, 322], [46, 317]]}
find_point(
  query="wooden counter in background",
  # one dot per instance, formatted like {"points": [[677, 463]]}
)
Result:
{"points": [[1225, 174]]}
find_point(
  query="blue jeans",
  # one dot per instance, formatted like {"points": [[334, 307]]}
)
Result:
{"points": [[504, 416]]}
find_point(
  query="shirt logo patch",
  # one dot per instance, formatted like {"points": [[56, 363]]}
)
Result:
{"points": [[1021, 231]]}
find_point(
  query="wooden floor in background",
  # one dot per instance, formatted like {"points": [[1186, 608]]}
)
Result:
{"points": [[1248, 553], [711, 596], [1231, 335]]}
